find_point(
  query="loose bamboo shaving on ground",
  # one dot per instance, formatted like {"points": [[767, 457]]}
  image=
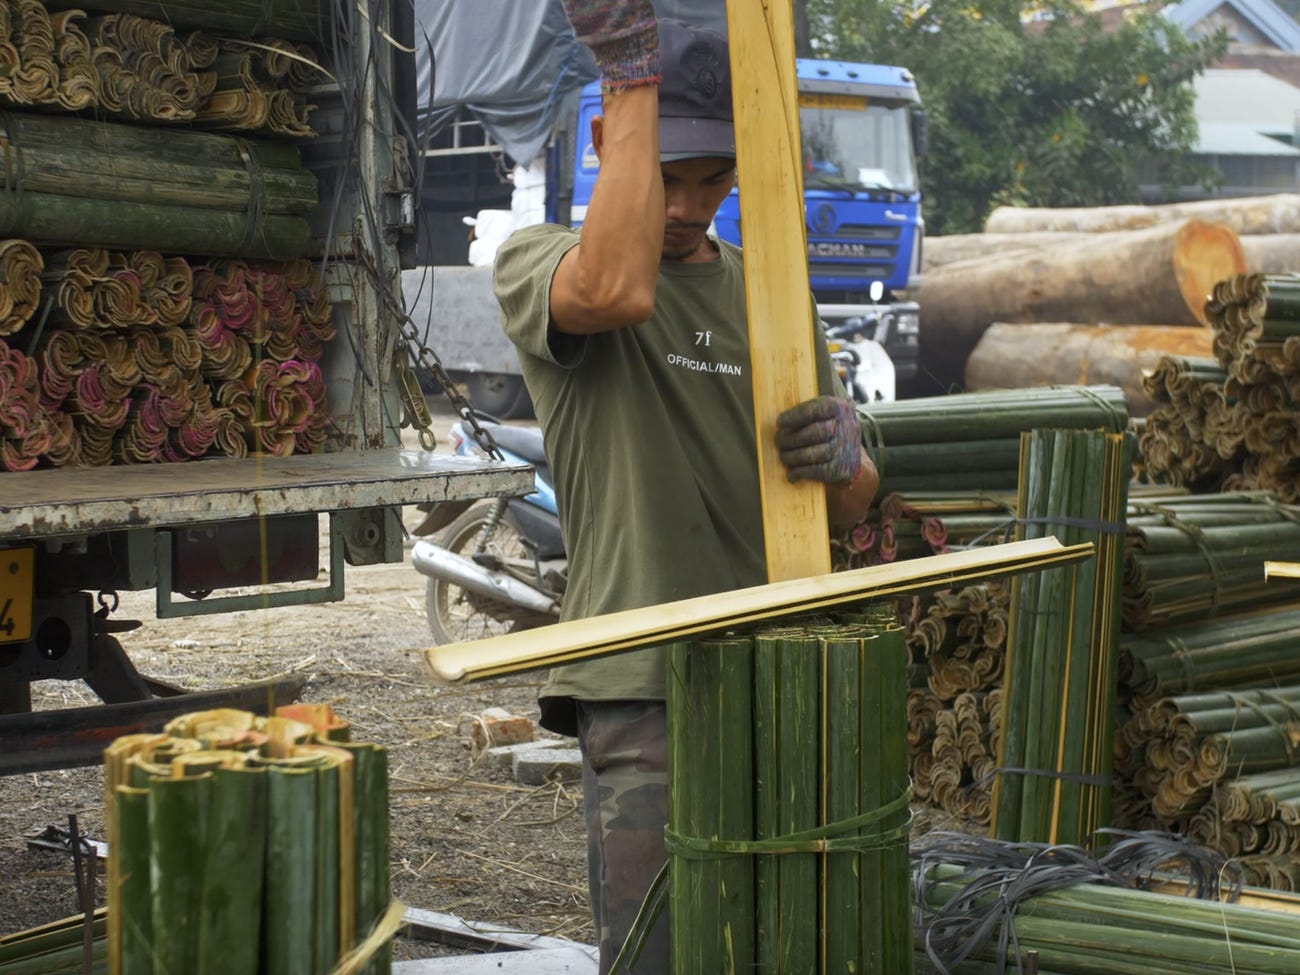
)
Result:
{"points": [[627, 630]]}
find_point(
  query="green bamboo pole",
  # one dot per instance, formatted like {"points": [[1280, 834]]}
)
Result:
{"points": [[845, 725], [178, 826], [710, 798], [289, 928], [233, 873], [787, 677], [134, 920]]}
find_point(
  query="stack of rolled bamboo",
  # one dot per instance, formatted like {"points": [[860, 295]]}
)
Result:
{"points": [[1220, 766], [954, 708], [24, 428], [1236, 430], [304, 20], [146, 358], [246, 845], [788, 800], [914, 524], [139, 69]]}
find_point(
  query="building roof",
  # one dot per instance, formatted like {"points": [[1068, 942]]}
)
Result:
{"points": [[1272, 22], [1246, 95], [1238, 139]]}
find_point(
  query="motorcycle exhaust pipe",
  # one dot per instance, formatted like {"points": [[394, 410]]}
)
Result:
{"points": [[438, 563]]}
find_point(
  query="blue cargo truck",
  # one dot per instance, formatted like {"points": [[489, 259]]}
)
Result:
{"points": [[862, 131], [523, 101]]}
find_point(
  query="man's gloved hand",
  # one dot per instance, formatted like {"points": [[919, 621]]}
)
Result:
{"points": [[820, 440], [624, 37]]}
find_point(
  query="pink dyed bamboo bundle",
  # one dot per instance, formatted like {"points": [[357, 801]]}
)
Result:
{"points": [[24, 432]]}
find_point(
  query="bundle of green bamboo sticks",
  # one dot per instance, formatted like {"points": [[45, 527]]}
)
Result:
{"points": [[56, 949], [1059, 910], [1196, 557], [1244, 650], [241, 845], [1256, 819], [78, 182], [971, 441], [1059, 684], [788, 815]]}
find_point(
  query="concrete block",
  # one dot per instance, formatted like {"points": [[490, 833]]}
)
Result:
{"points": [[503, 756], [538, 766]]}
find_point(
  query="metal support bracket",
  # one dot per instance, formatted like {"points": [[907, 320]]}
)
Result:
{"points": [[168, 608]]}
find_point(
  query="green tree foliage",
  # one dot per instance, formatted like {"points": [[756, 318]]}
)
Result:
{"points": [[1033, 104]]}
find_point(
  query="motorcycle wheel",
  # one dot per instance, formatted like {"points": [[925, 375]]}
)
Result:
{"points": [[456, 614]]}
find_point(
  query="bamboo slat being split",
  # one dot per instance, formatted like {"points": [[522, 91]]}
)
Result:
{"points": [[631, 629], [282, 822], [788, 817], [1054, 765]]}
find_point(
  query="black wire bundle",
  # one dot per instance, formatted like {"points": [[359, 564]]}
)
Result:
{"points": [[997, 877]]}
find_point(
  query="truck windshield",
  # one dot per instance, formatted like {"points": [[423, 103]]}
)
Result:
{"points": [[857, 147]]}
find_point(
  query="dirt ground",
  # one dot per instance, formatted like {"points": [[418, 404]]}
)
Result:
{"points": [[466, 838]]}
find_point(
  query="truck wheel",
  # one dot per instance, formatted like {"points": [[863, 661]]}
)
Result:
{"points": [[455, 614], [499, 394]]}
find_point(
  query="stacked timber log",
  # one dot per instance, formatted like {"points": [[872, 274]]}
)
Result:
{"points": [[1159, 275], [1230, 422], [1029, 273], [140, 69]]}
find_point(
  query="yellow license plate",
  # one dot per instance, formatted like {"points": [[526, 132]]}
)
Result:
{"points": [[15, 594]]}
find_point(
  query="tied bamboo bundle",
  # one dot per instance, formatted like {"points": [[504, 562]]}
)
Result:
{"points": [[972, 440], [96, 288], [1176, 751], [261, 86], [1054, 766], [1198, 557], [307, 20], [1245, 650], [788, 813], [986, 908], [281, 822], [189, 192], [25, 433], [20, 284], [54, 949], [1256, 820], [1194, 436], [146, 72]]}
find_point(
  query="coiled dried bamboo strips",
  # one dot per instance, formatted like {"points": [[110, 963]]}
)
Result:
{"points": [[20, 284]]}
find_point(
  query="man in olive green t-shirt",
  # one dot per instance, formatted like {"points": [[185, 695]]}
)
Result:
{"points": [[633, 341]]}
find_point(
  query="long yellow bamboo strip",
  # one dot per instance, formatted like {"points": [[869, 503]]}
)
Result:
{"points": [[581, 639]]}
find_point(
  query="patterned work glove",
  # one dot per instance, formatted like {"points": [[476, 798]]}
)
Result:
{"points": [[623, 37], [820, 440]]}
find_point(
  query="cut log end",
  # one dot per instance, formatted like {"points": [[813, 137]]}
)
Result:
{"points": [[1203, 255]]}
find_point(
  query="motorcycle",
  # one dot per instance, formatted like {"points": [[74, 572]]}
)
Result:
{"points": [[498, 564], [857, 353]]}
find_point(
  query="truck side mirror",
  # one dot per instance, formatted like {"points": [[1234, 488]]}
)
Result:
{"points": [[920, 132]]}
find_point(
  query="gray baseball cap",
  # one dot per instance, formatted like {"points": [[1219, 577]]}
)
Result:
{"points": [[695, 96]]}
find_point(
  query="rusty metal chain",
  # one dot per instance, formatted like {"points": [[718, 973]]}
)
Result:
{"points": [[425, 358]]}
